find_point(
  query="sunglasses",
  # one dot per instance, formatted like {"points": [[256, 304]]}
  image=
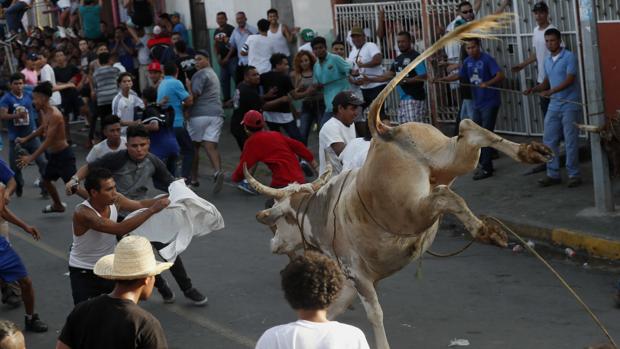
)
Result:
{"points": [[466, 12]]}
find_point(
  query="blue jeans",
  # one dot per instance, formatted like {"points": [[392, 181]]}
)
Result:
{"points": [[311, 112], [187, 151], [14, 16], [227, 72], [290, 128], [467, 109], [31, 147], [558, 124], [486, 118]]}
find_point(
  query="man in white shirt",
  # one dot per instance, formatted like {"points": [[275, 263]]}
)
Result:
{"points": [[322, 282], [111, 128], [367, 59], [47, 74], [354, 154], [338, 131], [126, 102], [259, 48]]}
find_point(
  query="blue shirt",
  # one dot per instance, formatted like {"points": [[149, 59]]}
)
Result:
{"points": [[91, 18], [15, 126], [333, 74], [238, 39], [477, 71], [5, 172], [565, 64], [180, 28], [176, 93]]}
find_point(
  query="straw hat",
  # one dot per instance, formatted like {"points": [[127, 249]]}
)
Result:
{"points": [[133, 258]]}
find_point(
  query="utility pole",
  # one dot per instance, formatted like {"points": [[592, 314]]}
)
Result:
{"points": [[603, 198]]}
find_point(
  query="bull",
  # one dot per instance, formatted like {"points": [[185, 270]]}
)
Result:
{"points": [[377, 219]]}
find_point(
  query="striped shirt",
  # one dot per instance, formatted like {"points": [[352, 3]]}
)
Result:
{"points": [[104, 79]]}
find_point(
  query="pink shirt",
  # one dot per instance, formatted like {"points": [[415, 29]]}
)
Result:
{"points": [[31, 77]]}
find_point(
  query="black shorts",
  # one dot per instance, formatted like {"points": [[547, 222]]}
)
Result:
{"points": [[60, 165]]}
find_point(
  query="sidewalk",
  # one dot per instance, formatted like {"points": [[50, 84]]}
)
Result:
{"points": [[556, 215]]}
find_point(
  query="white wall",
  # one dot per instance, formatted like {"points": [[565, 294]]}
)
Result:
{"points": [[254, 10], [314, 14]]}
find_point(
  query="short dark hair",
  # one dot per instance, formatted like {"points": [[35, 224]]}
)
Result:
{"points": [[7, 329], [276, 59], [122, 75], [180, 46], [176, 33], [137, 131], [170, 68], [247, 69], [109, 120], [16, 76], [221, 13], [554, 32], [475, 40], [311, 281], [44, 88], [94, 178], [406, 34], [463, 4], [337, 42], [272, 10], [317, 41], [150, 94], [104, 58], [263, 25]]}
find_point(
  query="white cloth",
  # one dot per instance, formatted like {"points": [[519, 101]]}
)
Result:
{"points": [[188, 215], [259, 49], [333, 131], [124, 107], [120, 67], [365, 55], [278, 117], [63, 4], [47, 74], [100, 149], [205, 128], [354, 154], [303, 334], [305, 47], [540, 47], [144, 54], [278, 41], [89, 247]]}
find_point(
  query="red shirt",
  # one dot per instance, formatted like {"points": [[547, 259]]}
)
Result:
{"points": [[279, 153], [158, 40]]}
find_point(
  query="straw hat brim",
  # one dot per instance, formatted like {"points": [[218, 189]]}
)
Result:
{"points": [[105, 269]]}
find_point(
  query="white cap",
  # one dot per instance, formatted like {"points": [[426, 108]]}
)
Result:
{"points": [[157, 30]]}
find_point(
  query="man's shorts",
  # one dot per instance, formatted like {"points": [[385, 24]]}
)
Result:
{"points": [[63, 4], [412, 110], [60, 165], [11, 266], [205, 128]]}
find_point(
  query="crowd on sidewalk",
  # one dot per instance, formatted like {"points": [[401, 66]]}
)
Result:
{"points": [[151, 101]]}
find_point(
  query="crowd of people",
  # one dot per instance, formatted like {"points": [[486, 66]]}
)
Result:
{"points": [[151, 102]]}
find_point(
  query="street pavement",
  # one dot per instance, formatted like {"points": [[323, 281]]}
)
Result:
{"points": [[493, 297]]}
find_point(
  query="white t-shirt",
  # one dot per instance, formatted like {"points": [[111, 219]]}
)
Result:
{"points": [[124, 107], [303, 334], [366, 53], [47, 74], [100, 149], [540, 47], [259, 49], [354, 154], [334, 131]]}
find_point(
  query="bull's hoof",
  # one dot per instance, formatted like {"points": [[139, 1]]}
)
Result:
{"points": [[534, 153], [492, 233]]}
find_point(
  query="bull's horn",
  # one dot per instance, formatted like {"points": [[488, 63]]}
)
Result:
{"points": [[324, 178], [261, 188], [589, 128]]}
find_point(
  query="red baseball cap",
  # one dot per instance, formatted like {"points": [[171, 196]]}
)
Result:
{"points": [[253, 119], [154, 66]]}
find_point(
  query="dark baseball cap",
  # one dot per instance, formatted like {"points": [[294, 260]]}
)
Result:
{"points": [[346, 98], [540, 6]]}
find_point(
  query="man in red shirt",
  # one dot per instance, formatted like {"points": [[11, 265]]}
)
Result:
{"points": [[274, 149]]}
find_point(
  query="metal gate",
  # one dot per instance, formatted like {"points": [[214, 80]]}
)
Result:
{"points": [[427, 19]]}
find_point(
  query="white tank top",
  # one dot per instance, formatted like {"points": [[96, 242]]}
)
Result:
{"points": [[92, 245], [280, 44]]}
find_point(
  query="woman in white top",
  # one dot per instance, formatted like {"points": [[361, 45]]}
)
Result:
{"points": [[279, 33]]}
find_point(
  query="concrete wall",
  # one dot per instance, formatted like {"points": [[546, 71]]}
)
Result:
{"points": [[316, 15], [254, 10]]}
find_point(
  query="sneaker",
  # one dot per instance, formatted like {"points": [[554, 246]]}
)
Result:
{"points": [[166, 293], [195, 296], [547, 181], [574, 182], [218, 181], [34, 324], [246, 187], [305, 166], [482, 174], [11, 295]]}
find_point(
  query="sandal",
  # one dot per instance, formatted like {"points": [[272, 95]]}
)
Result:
{"points": [[50, 209]]}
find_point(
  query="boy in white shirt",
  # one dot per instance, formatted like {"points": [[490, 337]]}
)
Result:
{"points": [[311, 283], [259, 48], [126, 102]]}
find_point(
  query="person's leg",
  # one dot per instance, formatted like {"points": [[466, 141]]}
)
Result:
{"points": [[306, 119], [571, 142], [51, 190], [225, 76], [25, 285], [237, 130], [292, 131], [196, 160], [41, 161], [551, 138], [273, 126], [187, 152], [14, 16], [544, 105], [177, 269], [488, 118], [19, 178]]}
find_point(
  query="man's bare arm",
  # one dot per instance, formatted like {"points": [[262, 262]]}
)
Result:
{"points": [[126, 204], [338, 147]]}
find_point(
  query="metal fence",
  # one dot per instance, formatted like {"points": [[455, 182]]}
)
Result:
{"points": [[608, 10], [427, 21]]}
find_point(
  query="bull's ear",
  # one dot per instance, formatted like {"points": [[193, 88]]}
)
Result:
{"points": [[267, 217]]}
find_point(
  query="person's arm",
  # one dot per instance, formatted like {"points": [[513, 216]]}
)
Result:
{"points": [[338, 147], [375, 61], [300, 149], [250, 157], [543, 86], [126, 204], [9, 190], [132, 32], [449, 78], [531, 59], [477, 6], [36, 133], [152, 126], [4, 114], [496, 79], [130, 50], [289, 34], [272, 105], [161, 174], [12, 218], [53, 128], [381, 24], [570, 79], [72, 186], [59, 344]]}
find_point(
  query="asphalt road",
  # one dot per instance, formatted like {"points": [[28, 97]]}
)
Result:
{"points": [[490, 296]]}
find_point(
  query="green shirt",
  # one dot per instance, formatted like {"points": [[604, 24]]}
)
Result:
{"points": [[333, 74]]}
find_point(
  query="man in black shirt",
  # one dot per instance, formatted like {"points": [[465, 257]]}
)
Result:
{"points": [[71, 101], [278, 115], [141, 12], [185, 61], [115, 320], [225, 54]]}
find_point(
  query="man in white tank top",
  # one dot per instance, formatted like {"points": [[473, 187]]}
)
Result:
{"points": [[279, 33], [95, 231]]}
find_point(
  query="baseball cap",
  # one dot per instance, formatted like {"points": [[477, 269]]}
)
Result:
{"points": [[253, 119], [154, 66], [175, 14], [540, 6], [346, 98], [357, 31], [307, 34], [33, 56]]}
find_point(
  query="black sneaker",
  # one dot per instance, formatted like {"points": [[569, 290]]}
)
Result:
{"points": [[218, 181], [547, 181], [166, 293], [11, 295], [35, 324], [574, 182], [482, 174], [305, 166], [197, 297]]}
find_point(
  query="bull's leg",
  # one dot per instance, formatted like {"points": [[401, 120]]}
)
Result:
{"points": [[443, 200], [345, 298], [374, 313]]}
